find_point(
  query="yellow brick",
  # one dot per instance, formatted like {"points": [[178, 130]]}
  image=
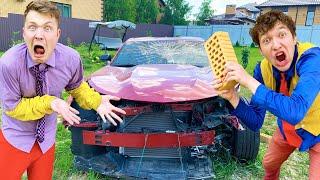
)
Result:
{"points": [[219, 50]]}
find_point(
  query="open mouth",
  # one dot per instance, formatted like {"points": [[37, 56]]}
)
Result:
{"points": [[38, 50], [281, 56]]}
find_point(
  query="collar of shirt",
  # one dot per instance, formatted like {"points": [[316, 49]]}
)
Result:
{"points": [[51, 61]]}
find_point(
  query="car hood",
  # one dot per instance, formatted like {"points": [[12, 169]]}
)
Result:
{"points": [[155, 83]]}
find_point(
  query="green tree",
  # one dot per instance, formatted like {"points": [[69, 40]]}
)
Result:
{"points": [[205, 12], [176, 12], [147, 11], [119, 9]]}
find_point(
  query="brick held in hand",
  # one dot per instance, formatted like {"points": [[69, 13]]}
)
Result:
{"points": [[219, 50]]}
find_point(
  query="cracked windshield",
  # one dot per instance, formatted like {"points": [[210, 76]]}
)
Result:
{"points": [[162, 52]]}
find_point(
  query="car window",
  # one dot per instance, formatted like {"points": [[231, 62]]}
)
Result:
{"points": [[162, 52]]}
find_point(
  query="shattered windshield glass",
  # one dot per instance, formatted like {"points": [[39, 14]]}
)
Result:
{"points": [[188, 52]]}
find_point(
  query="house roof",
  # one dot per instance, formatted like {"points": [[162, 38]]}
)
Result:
{"points": [[238, 18], [250, 7], [273, 3], [238, 15]]}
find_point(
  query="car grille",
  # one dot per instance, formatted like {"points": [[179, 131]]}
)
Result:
{"points": [[152, 122], [148, 123]]}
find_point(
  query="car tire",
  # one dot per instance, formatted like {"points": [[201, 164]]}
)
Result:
{"points": [[246, 144]]}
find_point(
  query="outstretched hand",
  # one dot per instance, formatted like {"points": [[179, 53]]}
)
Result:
{"points": [[106, 109], [68, 113]]}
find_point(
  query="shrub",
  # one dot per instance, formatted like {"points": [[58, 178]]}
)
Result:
{"points": [[149, 33], [245, 52], [15, 39], [237, 44]]}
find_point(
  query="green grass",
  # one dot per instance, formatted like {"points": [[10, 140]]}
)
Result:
{"points": [[63, 165], [64, 157], [91, 61], [254, 57]]}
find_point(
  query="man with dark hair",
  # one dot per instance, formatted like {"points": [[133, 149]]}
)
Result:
{"points": [[287, 84], [32, 77]]}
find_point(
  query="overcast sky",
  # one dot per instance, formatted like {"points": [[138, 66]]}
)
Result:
{"points": [[219, 6]]}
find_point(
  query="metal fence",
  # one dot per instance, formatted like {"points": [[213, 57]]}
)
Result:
{"points": [[75, 30], [240, 33]]}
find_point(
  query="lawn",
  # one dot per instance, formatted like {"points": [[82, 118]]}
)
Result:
{"points": [[295, 168]]}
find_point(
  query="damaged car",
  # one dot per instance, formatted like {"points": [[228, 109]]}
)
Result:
{"points": [[175, 122]]}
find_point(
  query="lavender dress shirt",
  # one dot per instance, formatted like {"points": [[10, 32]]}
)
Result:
{"points": [[64, 72]]}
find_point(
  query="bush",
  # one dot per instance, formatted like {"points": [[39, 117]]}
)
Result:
{"points": [[252, 45], [237, 44], [245, 52], [90, 60], [149, 33], [16, 38]]}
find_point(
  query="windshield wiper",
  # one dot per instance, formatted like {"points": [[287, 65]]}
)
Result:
{"points": [[123, 65], [198, 65]]}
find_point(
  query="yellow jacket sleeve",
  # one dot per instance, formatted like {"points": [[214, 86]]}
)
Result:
{"points": [[30, 109], [86, 97]]}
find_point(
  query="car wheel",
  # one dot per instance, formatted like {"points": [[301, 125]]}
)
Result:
{"points": [[246, 144]]}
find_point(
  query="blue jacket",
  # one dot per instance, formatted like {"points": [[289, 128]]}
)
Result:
{"points": [[308, 69]]}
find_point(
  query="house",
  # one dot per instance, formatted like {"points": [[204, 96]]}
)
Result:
{"points": [[80, 9], [305, 13], [243, 15], [249, 10]]}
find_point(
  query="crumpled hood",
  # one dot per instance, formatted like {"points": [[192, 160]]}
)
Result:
{"points": [[155, 83]]}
